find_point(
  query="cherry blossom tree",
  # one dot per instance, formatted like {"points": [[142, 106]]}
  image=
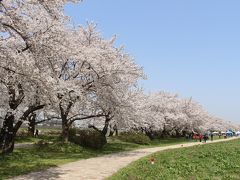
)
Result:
{"points": [[97, 77], [167, 114], [29, 33]]}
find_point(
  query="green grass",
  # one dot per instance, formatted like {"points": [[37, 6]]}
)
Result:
{"points": [[37, 158], [210, 161], [30, 139], [49, 135], [27, 160], [167, 141], [23, 161]]}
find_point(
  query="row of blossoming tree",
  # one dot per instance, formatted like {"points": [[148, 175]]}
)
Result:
{"points": [[49, 66]]}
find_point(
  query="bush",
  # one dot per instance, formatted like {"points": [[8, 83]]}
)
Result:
{"points": [[90, 138], [22, 133], [135, 137]]}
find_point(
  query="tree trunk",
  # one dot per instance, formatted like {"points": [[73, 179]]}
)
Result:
{"points": [[8, 131], [149, 133], [116, 131], [65, 123], [7, 134], [178, 133], [105, 128], [111, 133], [32, 124], [65, 129], [165, 133]]}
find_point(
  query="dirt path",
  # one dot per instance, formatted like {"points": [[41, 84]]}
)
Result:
{"points": [[100, 167], [23, 145]]}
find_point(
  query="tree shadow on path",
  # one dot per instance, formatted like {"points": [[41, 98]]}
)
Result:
{"points": [[50, 174]]}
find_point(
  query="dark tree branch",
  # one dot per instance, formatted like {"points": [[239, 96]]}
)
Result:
{"points": [[63, 68], [83, 118], [11, 70], [95, 128], [20, 96], [20, 34], [13, 101], [70, 104], [30, 110]]}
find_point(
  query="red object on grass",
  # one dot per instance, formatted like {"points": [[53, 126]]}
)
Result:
{"points": [[152, 160]]}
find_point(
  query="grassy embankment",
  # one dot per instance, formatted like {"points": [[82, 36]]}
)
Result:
{"points": [[210, 161]]}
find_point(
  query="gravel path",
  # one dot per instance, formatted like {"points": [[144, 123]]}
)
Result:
{"points": [[100, 167]]}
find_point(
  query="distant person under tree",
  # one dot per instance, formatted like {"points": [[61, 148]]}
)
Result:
{"points": [[36, 133]]}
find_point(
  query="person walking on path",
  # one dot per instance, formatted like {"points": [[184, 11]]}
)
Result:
{"points": [[200, 137], [205, 137], [211, 136], [36, 133], [219, 134]]}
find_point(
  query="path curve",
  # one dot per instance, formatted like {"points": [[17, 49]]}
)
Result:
{"points": [[100, 167]]}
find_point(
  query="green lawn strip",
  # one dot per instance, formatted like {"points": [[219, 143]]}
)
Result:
{"points": [[48, 135], [30, 139], [37, 158], [211, 161], [168, 141], [154, 143], [23, 161]]}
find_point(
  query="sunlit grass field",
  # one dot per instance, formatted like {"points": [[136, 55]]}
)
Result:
{"points": [[210, 161]]}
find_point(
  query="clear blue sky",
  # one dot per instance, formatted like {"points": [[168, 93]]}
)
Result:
{"points": [[185, 46]]}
